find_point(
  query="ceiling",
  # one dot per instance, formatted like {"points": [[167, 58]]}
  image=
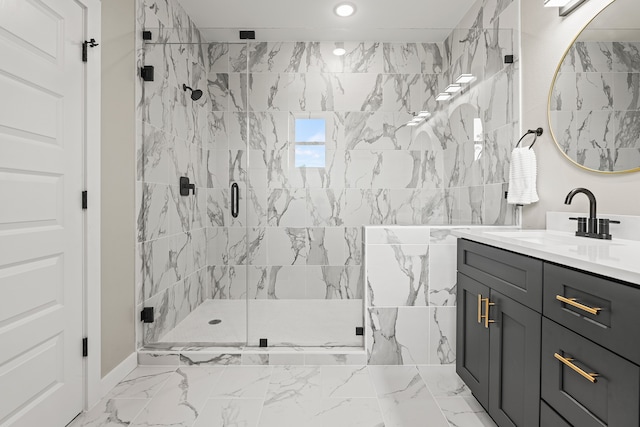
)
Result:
{"points": [[306, 20]]}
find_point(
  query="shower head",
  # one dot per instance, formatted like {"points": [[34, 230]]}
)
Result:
{"points": [[195, 94]]}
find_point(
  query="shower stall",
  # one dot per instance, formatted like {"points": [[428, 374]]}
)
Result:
{"points": [[292, 151]]}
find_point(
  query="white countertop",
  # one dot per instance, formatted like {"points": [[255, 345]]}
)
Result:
{"points": [[618, 258]]}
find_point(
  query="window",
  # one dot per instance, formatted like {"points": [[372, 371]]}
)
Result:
{"points": [[310, 138]]}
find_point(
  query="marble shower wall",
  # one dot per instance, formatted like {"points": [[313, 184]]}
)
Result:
{"points": [[174, 135], [411, 295], [595, 106]]}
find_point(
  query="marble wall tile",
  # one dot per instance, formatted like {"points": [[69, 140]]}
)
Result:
{"points": [[398, 275], [152, 207], [496, 209], [287, 246], [383, 169], [326, 246], [442, 335], [402, 58], [627, 124], [594, 91], [394, 338], [626, 91], [592, 56], [364, 57], [431, 57], [442, 275], [594, 129], [496, 153], [626, 57]]}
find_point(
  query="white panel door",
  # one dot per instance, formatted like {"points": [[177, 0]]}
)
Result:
{"points": [[42, 127]]}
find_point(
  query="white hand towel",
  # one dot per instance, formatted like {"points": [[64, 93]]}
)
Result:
{"points": [[522, 177]]}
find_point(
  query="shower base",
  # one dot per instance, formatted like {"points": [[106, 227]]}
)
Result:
{"points": [[298, 332]]}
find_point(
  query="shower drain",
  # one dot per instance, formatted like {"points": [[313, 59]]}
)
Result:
{"points": [[214, 321]]}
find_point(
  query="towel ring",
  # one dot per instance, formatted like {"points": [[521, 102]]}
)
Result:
{"points": [[536, 133]]}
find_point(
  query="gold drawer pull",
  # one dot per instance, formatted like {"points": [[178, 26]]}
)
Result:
{"points": [[590, 376], [479, 308], [574, 303]]}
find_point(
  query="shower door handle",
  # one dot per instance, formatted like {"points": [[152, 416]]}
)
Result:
{"points": [[235, 199]]}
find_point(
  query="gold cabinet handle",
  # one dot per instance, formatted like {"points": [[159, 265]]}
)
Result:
{"points": [[484, 316], [567, 361], [572, 302], [487, 304]]}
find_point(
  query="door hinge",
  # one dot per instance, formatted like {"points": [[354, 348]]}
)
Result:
{"points": [[84, 200], [85, 44], [85, 347]]}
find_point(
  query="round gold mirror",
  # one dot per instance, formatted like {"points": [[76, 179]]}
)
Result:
{"points": [[594, 101]]}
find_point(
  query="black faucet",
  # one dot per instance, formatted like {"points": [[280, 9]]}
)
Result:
{"points": [[591, 227]]}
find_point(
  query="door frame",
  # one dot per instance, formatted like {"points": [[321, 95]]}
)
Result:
{"points": [[91, 263]]}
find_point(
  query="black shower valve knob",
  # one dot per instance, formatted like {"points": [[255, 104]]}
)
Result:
{"points": [[186, 186]]}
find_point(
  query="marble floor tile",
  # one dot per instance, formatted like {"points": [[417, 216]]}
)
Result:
{"points": [[293, 398], [443, 381], [464, 412], [347, 382], [404, 398], [179, 400], [352, 412], [111, 413], [142, 383], [243, 382], [230, 413], [289, 396]]}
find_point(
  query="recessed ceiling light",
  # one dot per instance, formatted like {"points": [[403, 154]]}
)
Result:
{"points": [[453, 88], [339, 50], [443, 96], [344, 9], [465, 79]]}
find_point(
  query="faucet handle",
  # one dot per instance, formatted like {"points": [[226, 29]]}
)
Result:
{"points": [[582, 225]]}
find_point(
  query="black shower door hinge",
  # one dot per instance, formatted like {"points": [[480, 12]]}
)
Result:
{"points": [[85, 45], [85, 347], [84, 200]]}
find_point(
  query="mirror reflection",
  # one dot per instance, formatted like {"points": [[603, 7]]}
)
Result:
{"points": [[594, 105]]}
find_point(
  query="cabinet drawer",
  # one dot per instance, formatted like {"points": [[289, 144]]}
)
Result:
{"points": [[516, 276], [550, 418], [618, 308], [611, 400]]}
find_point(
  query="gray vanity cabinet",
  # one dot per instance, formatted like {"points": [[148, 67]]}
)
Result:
{"points": [[498, 338], [540, 344]]}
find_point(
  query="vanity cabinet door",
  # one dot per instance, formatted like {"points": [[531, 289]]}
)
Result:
{"points": [[586, 384], [472, 338], [514, 363], [517, 276]]}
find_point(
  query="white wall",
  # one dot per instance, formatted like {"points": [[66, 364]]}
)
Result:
{"points": [[545, 38]]}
